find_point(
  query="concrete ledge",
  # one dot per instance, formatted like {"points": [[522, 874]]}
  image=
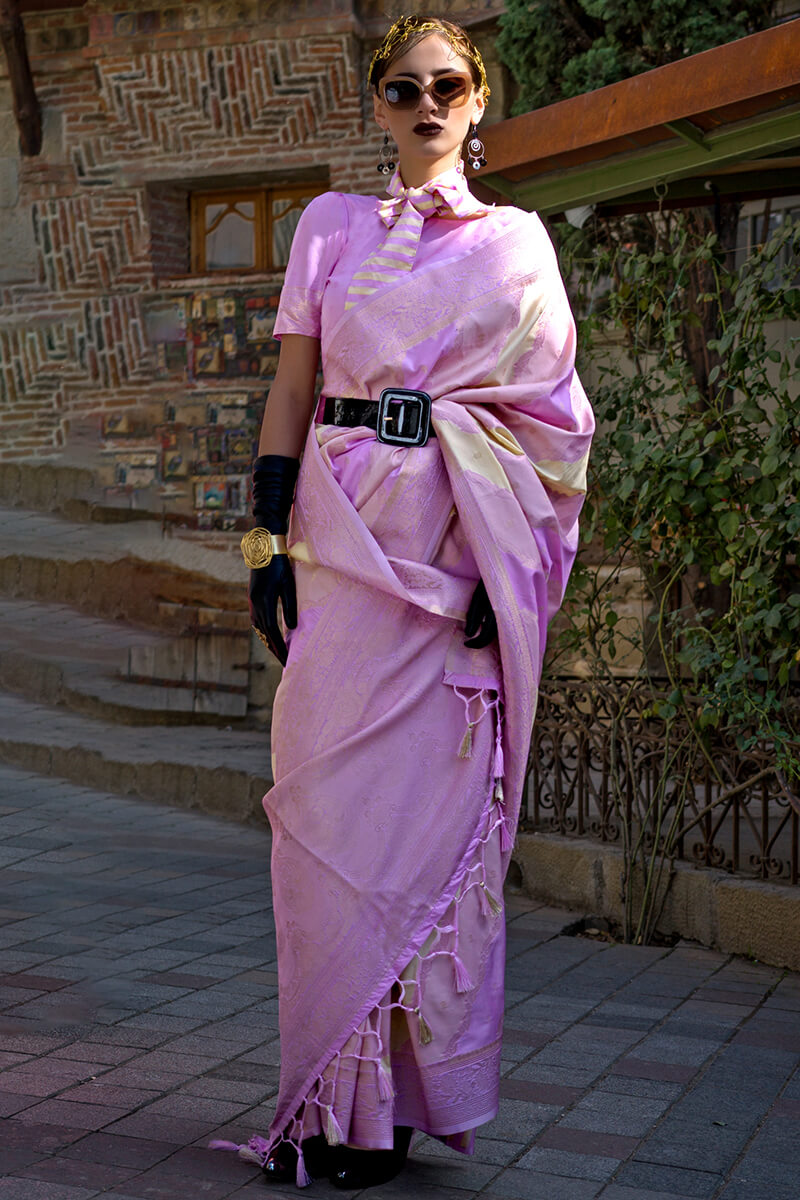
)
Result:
{"points": [[124, 589], [220, 792], [84, 688], [222, 772], [44, 486], [737, 916]]}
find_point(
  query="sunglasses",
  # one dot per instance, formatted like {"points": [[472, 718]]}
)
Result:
{"points": [[404, 93]]}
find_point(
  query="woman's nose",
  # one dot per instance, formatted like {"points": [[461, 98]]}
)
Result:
{"points": [[427, 104]]}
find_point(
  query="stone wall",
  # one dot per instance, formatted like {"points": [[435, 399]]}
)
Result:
{"points": [[142, 104], [734, 915]]}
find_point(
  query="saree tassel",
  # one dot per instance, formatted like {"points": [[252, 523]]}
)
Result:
{"points": [[499, 764], [465, 749], [249, 1155], [385, 1089], [425, 1035], [490, 900], [333, 1130], [220, 1145], [302, 1178], [506, 840], [462, 976], [483, 903]]}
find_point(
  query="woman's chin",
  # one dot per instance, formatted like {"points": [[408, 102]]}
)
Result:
{"points": [[431, 150]]}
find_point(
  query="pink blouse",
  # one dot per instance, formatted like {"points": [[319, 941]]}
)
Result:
{"points": [[336, 233]]}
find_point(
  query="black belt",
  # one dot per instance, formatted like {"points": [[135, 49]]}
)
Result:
{"points": [[402, 416]]}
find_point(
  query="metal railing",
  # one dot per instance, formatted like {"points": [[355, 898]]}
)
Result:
{"points": [[595, 764]]}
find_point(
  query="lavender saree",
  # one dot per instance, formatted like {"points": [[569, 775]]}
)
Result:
{"points": [[398, 753]]}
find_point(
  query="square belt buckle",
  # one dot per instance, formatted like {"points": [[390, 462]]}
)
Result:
{"points": [[404, 417]]}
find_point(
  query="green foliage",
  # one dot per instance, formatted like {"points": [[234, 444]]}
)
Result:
{"points": [[702, 489], [560, 48], [694, 490]]}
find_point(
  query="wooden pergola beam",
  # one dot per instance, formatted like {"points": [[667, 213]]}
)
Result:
{"points": [[27, 112], [595, 182], [763, 64]]}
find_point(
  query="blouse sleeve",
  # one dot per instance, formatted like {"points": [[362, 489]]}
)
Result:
{"points": [[318, 241]]}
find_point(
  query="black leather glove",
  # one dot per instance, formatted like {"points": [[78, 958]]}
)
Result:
{"points": [[274, 478], [481, 625]]}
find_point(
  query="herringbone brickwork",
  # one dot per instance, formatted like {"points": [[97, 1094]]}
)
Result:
{"points": [[228, 100], [77, 350], [93, 241]]}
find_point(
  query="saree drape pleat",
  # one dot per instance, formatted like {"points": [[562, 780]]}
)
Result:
{"points": [[399, 755]]}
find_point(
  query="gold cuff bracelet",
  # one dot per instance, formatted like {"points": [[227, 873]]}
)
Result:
{"points": [[259, 546]]}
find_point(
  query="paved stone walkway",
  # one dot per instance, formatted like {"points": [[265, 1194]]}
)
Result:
{"points": [[139, 1019]]}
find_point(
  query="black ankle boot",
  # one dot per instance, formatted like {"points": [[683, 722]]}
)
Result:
{"points": [[367, 1168], [281, 1166]]}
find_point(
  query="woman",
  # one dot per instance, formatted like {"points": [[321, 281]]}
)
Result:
{"points": [[430, 544]]}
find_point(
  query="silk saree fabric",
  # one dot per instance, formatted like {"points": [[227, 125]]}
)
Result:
{"points": [[399, 754]]}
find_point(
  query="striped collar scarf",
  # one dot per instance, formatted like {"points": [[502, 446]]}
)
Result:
{"points": [[404, 213]]}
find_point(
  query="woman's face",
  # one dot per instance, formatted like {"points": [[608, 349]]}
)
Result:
{"points": [[425, 154]]}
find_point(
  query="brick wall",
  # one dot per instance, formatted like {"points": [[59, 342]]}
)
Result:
{"points": [[142, 103], [168, 225]]}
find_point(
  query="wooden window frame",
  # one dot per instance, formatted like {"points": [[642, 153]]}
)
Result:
{"points": [[263, 198]]}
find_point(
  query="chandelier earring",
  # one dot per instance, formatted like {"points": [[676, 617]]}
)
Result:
{"points": [[386, 163], [475, 149]]}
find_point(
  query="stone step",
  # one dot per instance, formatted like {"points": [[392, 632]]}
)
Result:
{"points": [[83, 688], [210, 667], [52, 654], [74, 491], [220, 771], [44, 486], [138, 572], [81, 491]]}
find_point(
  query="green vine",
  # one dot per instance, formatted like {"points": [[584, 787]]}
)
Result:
{"points": [[694, 372]]}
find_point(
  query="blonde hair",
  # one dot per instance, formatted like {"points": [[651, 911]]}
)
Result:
{"points": [[408, 31]]}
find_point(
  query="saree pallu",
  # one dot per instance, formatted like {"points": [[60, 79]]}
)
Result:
{"points": [[399, 754]]}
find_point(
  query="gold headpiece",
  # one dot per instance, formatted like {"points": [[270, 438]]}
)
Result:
{"points": [[403, 26]]}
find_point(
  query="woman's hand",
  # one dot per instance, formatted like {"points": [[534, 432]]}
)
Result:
{"points": [[267, 586], [481, 625]]}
